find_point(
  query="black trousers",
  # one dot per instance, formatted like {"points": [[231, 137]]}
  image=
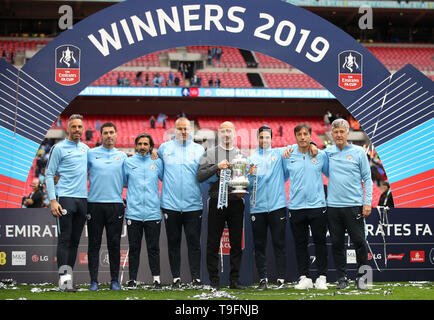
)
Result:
{"points": [[135, 231], [300, 221], [347, 219], [276, 222], [69, 229], [109, 216], [233, 216], [192, 223]]}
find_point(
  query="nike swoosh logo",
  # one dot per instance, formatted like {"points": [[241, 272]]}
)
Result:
{"points": [[97, 157], [282, 218], [134, 168]]}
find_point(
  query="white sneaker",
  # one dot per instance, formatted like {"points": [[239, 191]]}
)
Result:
{"points": [[321, 283], [304, 283]]}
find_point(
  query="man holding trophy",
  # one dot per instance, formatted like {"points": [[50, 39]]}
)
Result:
{"points": [[226, 206]]}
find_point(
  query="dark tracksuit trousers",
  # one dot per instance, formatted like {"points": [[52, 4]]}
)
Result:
{"points": [[276, 222], [347, 219], [300, 221], [109, 216], [233, 216], [69, 229], [192, 223], [135, 231]]}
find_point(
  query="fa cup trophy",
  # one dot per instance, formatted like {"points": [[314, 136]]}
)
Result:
{"points": [[239, 181]]}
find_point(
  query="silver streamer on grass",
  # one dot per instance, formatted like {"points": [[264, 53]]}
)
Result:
{"points": [[215, 294]]}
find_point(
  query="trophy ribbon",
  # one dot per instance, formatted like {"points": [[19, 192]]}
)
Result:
{"points": [[255, 187], [225, 175]]}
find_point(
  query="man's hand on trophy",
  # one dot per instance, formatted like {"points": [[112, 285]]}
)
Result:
{"points": [[224, 164]]}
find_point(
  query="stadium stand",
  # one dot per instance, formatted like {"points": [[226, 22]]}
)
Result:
{"points": [[397, 57], [289, 80], [129, 126], [392, 55], [265, 61], [230, 57]]}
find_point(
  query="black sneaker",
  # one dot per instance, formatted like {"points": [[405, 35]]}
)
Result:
{"points": [[196, 283], [215, 285], [281, 284], [132, 284], [262, 284], [236, 286], [157, 285], [342, 284], [176, 284]]}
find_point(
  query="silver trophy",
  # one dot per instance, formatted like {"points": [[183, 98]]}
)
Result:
{"points": [[239, 181]]}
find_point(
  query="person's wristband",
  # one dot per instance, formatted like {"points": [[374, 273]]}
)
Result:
{"points": [[313, 143]]}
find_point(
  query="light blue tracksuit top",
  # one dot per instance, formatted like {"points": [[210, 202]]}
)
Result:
{"points": [[347, 170], [306, 188], [69, 160], [181, 190], [141, 175], [106, 178], [272, 175]]}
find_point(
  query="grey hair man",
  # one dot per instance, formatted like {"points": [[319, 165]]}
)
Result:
{"points": [[348, 203]]}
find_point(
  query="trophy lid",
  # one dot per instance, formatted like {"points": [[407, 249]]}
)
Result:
{"points": [[239, 159]]}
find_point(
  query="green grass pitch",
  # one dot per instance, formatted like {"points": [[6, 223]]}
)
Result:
{"points": [[414, 290]]}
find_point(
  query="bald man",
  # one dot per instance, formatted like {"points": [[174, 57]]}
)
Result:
{"points": [[181, 199], [34, 200], [211, 164]]}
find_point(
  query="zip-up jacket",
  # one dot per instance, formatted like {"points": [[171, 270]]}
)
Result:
{"points": [[106, 178], [306, 187], [272, 175], [348, 168], [181, 190], [141, 175], [69, 160]]}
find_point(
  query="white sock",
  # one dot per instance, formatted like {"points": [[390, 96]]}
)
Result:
{"points": [[157, 278], [176, 279]]}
